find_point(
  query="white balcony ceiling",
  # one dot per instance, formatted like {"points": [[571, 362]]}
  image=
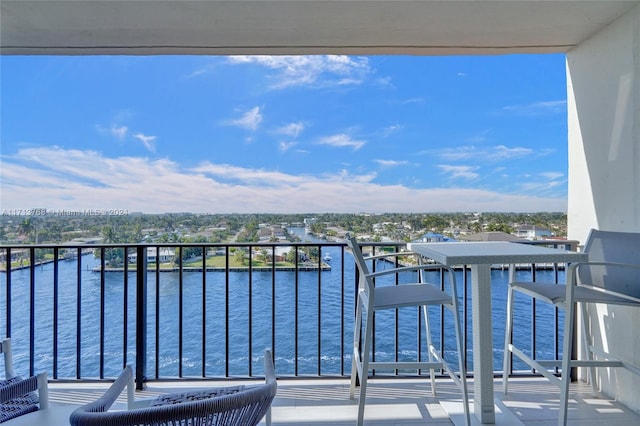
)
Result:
{"points": [[300, 26]]}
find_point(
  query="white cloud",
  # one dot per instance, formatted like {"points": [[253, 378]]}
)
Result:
{"points": [[479, 138], [117, 131], [552, 175], [254, 176], [291, 129], [537, 108], [285, 146], [540, 187], [457, 153], [413, 101], [391, 163], [494, 153], [502, 152], [389, 130], [149, 142], [311, 70], [249, 120], [341, 140], [463, 172], [74, 179]]}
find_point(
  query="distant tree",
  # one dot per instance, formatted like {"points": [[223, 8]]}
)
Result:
{"points": [[240, 256], [435, 223], [291, 255], [313, 252], [136, 237], [501, 227], [264, 254], [318, 228], [27, 228]]}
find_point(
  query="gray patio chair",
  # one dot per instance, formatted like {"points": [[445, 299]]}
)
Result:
{"points": [[20, 396], [233, 405], [611, 276], [372, 298]]}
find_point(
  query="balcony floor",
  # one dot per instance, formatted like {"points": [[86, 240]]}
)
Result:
{"points": [[532, 401]]}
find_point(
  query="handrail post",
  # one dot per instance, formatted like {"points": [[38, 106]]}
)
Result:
{"points": [[141, 316]]}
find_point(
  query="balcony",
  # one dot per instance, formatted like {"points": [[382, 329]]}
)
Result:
{"points": [[532, 401], [600, 39], [73, 311]]}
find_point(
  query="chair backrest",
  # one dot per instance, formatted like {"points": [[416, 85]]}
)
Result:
{"points": [[246, 407], [613, 246], [363, 269]]}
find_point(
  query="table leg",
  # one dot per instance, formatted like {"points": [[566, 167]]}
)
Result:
{"points": [[482, 343]]}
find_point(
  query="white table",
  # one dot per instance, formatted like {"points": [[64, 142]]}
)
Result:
{"points": [[55, 415], [480, 256]]}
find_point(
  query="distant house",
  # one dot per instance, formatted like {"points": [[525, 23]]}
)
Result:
{"points": [[456, 232], [279, 232], [282, 252], [432, 237], [16, 255], [267, 233], [264, 234], [88, 240], [532, 232], [166, 255]]}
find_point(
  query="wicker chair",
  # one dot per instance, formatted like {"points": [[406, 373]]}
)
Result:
{"points": [[234, 405], [18, 396]]}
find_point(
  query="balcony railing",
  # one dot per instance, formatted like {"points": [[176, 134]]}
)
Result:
{"points": [[74, 311]]}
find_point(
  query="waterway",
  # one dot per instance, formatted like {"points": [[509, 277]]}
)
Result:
{"points": [[248, 305]]}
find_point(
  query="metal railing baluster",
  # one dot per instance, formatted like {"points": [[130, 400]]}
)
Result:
{"points": [[297, 287]]}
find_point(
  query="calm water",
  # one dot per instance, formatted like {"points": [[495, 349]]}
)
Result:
{"points": [[264, 293]]}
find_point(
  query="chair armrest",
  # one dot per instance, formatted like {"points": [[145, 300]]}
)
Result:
{"points": [[422, 267], [391, 254], [616, 264], [103, 403], [43, 390], [5, 348]]}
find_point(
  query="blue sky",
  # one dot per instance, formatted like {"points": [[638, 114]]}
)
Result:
{"points": [[278, 134]]}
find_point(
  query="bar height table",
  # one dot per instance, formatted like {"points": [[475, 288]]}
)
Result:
{"points": [[480, 256]]}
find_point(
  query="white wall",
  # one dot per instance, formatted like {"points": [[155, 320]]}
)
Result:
{"points": [[604, 124], [603, 92]]}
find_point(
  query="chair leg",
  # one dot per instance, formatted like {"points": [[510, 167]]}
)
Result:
{"points": [[355, 358], [366, 354], [587, 346], [461, 365], [427, 327], [507, 341], [565, 377]]}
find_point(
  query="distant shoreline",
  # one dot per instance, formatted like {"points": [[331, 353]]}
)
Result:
{"points": [[325, 267]]}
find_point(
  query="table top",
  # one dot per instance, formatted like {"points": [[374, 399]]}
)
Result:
{"points": [[493, 252], [56, 414]]}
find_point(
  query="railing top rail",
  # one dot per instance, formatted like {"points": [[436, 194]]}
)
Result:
{"points": [[571, 243], [203, 244]]}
